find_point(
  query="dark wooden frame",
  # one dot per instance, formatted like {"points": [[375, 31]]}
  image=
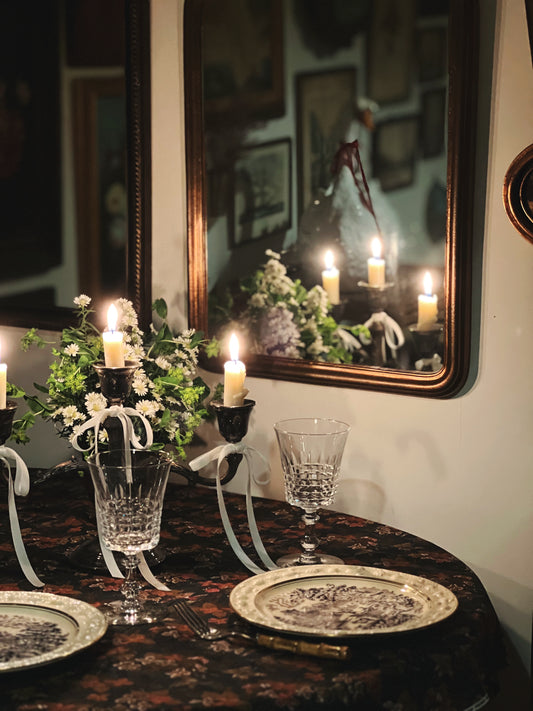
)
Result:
{"points": [[463, 38], [139, 259], [283, 144], [518, 179]]}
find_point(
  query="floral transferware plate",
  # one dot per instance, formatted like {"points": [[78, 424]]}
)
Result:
{"points": [[341, 601], [38, 628]]}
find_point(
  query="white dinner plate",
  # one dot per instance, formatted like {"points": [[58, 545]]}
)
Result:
{"points": [[38, 628], [341, 601]]}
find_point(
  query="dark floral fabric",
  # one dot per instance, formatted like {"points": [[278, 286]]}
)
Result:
{"points": [[451, 666]]}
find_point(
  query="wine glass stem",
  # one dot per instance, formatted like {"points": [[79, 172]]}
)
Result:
{"points": [[131, 586], [309, 541]]}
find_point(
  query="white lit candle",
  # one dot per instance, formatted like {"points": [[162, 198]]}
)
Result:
{"points": [[427, 305], [376, 265], [113, 341], [3, 386], [234, 374], [330, 279]]}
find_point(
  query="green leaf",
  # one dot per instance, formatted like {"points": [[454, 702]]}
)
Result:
{"points": [[160, 307]]}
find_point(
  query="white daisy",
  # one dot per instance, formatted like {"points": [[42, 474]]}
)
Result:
{"points": [[72, 349], [95, 402], [70, 414], [82, 300]]}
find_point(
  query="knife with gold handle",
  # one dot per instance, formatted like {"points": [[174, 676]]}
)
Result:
{"points": [[297, 646]]}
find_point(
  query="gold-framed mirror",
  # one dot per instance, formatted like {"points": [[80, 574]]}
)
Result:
{"points": [[231, 135], [89, 179]]}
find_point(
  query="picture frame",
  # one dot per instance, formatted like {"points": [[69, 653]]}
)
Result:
{"points": [[99, 147], [518, 192], [390, 51], [231, 87], [433, 121], [324, 109], [432, 53], [394, 151], [262, 203]]}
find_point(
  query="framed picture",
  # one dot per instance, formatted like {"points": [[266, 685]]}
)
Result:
{"points": [[99, 138], [394, 152], [432, 54], [242, 59], [518, 192], [433, 122], [325, 107], [262, 202], [30, 140], [390, 48]]}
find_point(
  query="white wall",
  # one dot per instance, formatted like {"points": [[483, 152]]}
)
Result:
{"points": [[457, 472]]}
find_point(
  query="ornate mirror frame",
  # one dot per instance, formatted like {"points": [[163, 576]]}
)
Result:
{"points": [[138, 267], [462, 104]]}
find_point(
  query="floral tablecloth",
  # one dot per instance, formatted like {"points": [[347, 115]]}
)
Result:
{"points": [[451, 666]]}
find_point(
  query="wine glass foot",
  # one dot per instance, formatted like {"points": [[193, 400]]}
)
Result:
{"points": [[117, 615], [289, 560]]}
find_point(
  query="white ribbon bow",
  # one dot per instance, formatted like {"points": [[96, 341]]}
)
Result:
{"points": [[220, 453], [20, 487], [394, 337], [124, 415], [434, 363]]}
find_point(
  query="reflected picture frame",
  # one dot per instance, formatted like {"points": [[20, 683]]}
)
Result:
{"points": [[395, 146], [262, 203], [99, 137], [324, 108]]}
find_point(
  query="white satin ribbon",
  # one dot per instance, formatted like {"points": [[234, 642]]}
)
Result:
{"points": [[220, 453], [124, 415], [435, 363], [20, 486], [394, 337]]}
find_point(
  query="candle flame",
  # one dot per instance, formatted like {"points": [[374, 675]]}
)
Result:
{"points": [[112, 318], [234, 347], [328, 259], [376, 248], [428, 284]]}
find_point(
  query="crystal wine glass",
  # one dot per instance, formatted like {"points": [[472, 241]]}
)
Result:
{"points": [[129, 491], [311, 452]]}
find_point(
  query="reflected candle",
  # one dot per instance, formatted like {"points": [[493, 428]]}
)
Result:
{"points": [[3, 386], [330, 279], [113, 341], [427, 305], [234, 374], [376, 265]]}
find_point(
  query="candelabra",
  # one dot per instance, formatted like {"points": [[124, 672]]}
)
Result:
{"points": [[6, 420], [427, 346], [386, 332]]}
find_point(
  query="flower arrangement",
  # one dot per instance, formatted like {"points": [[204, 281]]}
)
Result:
{"points": [[283, 318], [165, 387]]}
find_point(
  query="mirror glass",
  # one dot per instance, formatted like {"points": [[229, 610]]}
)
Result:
{"points": [[66, 152], [324, 187]]}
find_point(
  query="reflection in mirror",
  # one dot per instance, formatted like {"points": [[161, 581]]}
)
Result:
{"points": [[73, 168], [333, 133]]}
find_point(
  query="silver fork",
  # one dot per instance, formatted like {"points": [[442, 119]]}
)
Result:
{"points": [[204, 630]]}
